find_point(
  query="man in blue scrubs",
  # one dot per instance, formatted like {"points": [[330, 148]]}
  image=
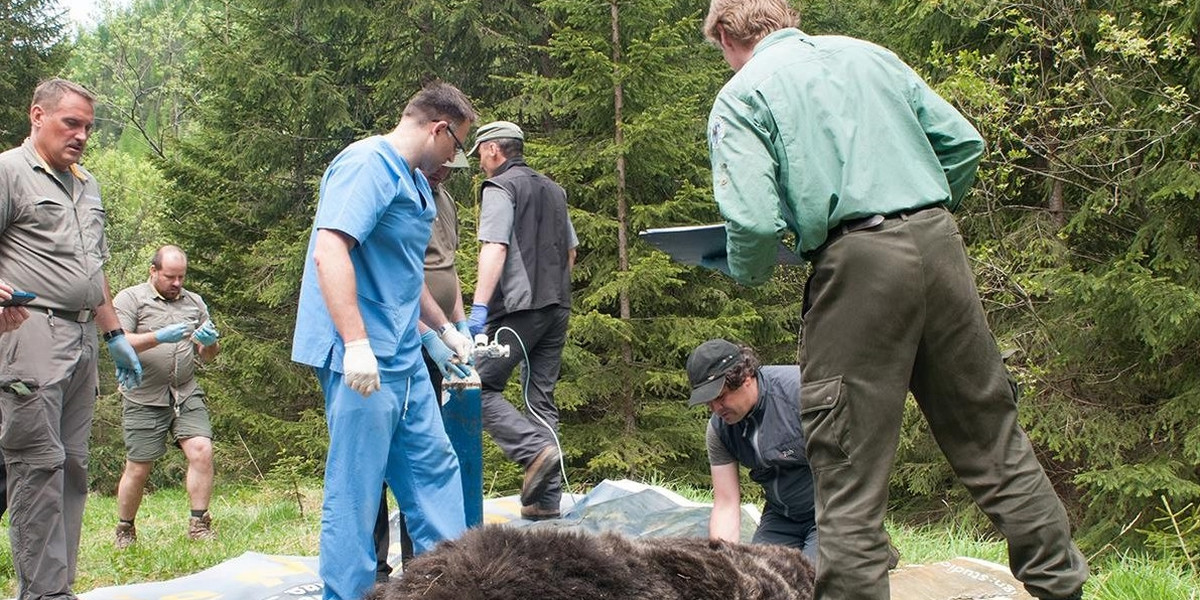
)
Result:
{"points": [[356, 325]]}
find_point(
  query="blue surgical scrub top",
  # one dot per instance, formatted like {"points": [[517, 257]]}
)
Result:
{"points": [[370, 193]]}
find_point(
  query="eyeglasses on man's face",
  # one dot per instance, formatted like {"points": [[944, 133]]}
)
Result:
{"points": [[457, 143]]}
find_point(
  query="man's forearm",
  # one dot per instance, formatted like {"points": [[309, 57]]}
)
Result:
{"points": [[209, 352], [431, 313], [491, 264], [725, 523], [459, 313], [335, 276], [106, 315]]}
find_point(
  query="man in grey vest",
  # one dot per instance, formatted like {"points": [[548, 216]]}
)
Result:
{"points": [[755, 422], [523, 298]]}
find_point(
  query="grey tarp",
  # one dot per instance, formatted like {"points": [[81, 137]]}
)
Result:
{"points": [[631, 508]]}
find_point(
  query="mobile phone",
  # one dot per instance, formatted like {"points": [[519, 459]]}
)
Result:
{"points": [[18, 298]]}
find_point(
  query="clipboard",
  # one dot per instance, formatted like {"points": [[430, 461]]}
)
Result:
{"points": [[691, 244]]}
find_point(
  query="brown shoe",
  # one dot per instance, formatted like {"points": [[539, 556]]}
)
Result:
{"points": [[200, 528], [534, 512], [537, 474], [126, 535]]}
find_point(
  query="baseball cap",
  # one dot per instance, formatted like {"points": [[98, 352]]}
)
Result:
{"points": [[707, 366], [496, 130]]}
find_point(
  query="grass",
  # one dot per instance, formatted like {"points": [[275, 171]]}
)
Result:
{"points": [[1115, 576], [270, 519], [264, 519]]}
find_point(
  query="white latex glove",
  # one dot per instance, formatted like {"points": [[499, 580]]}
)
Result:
{"points": [[360, 367], [460, 344]]}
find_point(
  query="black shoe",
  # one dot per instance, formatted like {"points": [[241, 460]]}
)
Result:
{"points": [[537, 475], [534, 512]]}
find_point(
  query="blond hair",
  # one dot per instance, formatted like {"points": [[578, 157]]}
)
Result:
{"points": [[748, 21]]}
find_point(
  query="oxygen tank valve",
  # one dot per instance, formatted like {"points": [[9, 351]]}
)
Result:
{"points": [[483, 349]]}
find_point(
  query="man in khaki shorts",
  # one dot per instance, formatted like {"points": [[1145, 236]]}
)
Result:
{"points": [[171, 330]]}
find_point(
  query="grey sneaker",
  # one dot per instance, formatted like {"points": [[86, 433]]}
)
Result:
{"points": [[126, 535], [200, 528]]}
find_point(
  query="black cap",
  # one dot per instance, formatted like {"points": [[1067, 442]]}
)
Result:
{"points": [[707, 366]]}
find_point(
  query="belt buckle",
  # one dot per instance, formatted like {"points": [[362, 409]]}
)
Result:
{"points": [[865, 223], [83, 316]]}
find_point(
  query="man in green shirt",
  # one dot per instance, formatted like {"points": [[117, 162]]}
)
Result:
{"points": [[841, 144]]}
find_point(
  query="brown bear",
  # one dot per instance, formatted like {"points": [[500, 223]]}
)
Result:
{"points": [[543, 563]]}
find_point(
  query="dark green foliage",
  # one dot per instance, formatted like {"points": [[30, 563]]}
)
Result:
{"points": [[34, 48], [1083, 225], [623, 382], [280, 97]]}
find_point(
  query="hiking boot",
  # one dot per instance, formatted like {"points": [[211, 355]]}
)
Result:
{"points": [[537, 474], [534, 512], [200, 528], [126, 535]]}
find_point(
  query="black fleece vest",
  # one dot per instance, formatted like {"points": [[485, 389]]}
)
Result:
{"points": [[541, 228]]}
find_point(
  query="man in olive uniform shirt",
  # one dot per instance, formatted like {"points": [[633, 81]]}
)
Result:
{"points": [[52, 244], [171, 329]]}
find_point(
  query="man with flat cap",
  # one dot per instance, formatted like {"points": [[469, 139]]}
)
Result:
{"points": [[526, 252], [755, 423]]}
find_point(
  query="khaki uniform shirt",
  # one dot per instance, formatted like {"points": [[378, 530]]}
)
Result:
{"points": [[440, 275], [51, 239], [168, 370]]}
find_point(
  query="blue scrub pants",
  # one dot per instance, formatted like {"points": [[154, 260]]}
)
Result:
{"points": [[396, 435]]}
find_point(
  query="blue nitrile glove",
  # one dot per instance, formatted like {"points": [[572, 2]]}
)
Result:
{"points": [[465, 329], [129, 368], [207, 334], [477, 319], [173, 333], [443, 356], [718, 263]]}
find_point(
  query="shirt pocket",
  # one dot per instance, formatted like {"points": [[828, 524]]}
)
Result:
{"points": [[382, 326], [824, 416], [53, 219]]}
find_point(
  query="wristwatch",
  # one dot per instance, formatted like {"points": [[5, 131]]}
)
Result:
{"points": [[116, 333]]}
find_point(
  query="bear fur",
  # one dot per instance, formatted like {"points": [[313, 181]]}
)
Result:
{"points": [[507, 563]]}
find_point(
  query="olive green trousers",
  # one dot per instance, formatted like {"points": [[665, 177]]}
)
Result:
{"points": [[891, 309]]}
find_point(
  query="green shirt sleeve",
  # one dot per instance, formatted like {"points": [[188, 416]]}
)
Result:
{"points": [[745, 186], [956, 143]]}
